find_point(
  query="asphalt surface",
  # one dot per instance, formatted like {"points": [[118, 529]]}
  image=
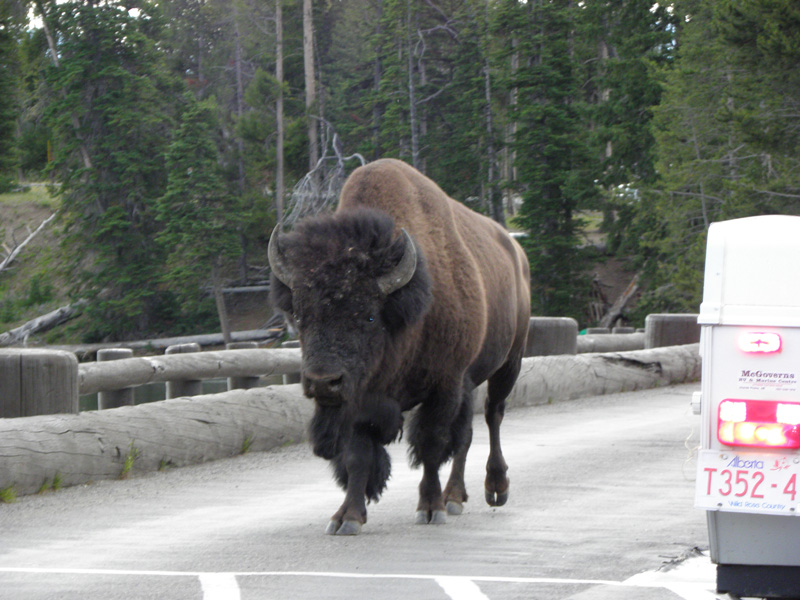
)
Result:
{"points": [[601, 508]]}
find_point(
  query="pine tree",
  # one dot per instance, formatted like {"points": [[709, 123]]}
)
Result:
{"points": [[727, 143], [554, 169], [197, 213], [110, 119], [9, 77]]}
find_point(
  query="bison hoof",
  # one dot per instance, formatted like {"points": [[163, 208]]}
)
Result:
{"points": [[496, 498], [346, 528], [454, 508], [431, 517]]}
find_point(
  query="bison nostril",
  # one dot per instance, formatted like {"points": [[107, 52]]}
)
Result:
{"points": [[324, 384]]}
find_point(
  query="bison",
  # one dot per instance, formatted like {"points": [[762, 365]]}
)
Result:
{"points": [[402, 298]]}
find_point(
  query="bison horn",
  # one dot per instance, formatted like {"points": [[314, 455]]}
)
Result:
{"points": [[277, 261], [403, 272]]}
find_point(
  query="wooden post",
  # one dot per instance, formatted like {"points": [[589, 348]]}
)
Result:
{"points": [[37, 382], [291, 377], [242, 383], [671, 330], [183, 387], [597, 330], [552, 335], [114, 398]]}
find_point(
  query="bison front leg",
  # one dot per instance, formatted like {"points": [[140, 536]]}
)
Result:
{"points": [[455, 492], [441, 429], [363, 470]]}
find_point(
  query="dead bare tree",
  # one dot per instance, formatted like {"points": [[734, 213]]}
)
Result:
{"points": [[319, 190], [14, 252]]}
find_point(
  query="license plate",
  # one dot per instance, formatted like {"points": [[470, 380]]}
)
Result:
{"points": [[751, 482]]}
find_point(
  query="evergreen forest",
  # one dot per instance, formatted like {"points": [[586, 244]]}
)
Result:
{"points": [[174, 134]]}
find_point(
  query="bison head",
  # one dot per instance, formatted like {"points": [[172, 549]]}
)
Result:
{"points": [[353, 289]]}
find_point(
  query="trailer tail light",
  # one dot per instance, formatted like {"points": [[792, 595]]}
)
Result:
{"points": [[760, 342], [761, 423]]}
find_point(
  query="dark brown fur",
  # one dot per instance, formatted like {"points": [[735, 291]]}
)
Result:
{"points": [[461, 320]]}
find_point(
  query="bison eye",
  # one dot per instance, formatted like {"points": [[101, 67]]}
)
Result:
{"points": [[370, 318]]}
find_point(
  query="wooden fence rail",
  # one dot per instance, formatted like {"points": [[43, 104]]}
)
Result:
{"points": [[130, 372], [46, 451], [42, 381]]}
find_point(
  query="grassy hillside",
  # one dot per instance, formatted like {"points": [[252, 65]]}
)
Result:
{"points": [[33, 283]]}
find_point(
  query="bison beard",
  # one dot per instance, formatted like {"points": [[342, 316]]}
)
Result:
{"points": [[394, 312]]}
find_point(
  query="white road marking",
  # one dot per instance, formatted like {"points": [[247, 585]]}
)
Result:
{"points": [[689, 582], [461, 588], [219, 586], [692, 579]]}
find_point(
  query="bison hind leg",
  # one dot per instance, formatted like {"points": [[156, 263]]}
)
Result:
{"points": [[500, 385]]}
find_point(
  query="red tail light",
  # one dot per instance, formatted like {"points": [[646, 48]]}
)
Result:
{"points": [[761, 423]]}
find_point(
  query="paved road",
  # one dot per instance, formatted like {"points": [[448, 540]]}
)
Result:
{"points": [[600, 508]]}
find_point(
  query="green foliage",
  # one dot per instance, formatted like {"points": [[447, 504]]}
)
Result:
{"points": [[552, 158], [727, 144], [110, 116], [33, 135], [39, 291], [8, 495], [8, 310], [666, 117], [197, 213], [9, 74], [130, 460]]}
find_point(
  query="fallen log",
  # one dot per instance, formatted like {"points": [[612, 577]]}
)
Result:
{"points": [[41, 323], [619, 305], [76, 449]]}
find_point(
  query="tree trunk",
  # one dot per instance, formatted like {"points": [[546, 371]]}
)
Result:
{"points": [[239, 94], [619, 305], [219, 299], [495, 201], [376, 84], [509, 152], [311, 84], [413, 122], [239, 141], [76, 125], [280, 186]]}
